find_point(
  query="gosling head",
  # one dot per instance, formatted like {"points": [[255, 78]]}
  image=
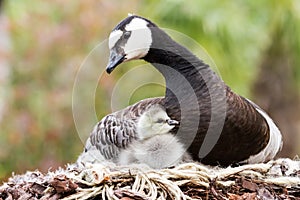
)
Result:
{"points": [[154, 121], [130, 39]]}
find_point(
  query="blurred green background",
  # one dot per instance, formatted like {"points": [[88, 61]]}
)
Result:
{"points": [[255, 44]]}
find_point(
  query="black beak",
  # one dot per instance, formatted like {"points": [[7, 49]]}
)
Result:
{"points": [[114, 60], [172, 122]]}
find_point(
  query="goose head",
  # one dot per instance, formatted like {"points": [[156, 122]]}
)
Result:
{"points": [[129, 40], [154, 121]]}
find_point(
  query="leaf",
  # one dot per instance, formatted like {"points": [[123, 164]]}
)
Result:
{"points": [[249, 185], [62, 184]]}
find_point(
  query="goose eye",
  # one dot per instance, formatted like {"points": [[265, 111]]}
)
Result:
{"points": [[126, 34]]}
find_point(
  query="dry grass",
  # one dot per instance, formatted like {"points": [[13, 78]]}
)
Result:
{"points": [[279, 179]]}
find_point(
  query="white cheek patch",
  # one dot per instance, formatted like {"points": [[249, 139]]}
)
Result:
{"points": [[136, 23], [138, 44], [114, 37], [139, 41]]}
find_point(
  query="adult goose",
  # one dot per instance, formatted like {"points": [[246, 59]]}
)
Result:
{"points": [[216, 125], [116, 131]]}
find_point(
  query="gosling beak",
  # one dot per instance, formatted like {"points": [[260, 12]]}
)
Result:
{"points": [[172, 122], [115, 59]]}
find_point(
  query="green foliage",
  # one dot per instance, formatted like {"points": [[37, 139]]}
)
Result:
{"points": [[235, 33], [50, 40]]}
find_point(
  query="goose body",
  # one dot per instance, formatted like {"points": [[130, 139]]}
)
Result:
{"points": [[216, 125], [116, 131]]}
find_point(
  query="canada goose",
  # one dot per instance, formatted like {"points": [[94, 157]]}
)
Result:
{"points": [[218, 126], [116, 131]]}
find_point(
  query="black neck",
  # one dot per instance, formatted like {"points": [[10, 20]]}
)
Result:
{"points": [[170, 57], [165, 51]]}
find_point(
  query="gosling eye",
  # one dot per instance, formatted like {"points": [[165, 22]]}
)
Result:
{"points": [[127, 34], [160, 121]]}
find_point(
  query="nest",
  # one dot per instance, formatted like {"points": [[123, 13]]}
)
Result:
{"points": [[279, 179]]}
